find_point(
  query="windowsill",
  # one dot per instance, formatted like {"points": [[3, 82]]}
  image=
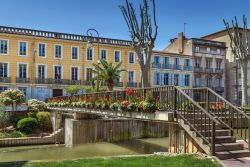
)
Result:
{"points": [[22, 55], [4, 54]]}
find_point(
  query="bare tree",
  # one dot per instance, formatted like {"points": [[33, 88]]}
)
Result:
{"points": [[240, 48], [143, 33]]}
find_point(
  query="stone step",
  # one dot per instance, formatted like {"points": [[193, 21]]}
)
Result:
{"points": [[228, 147], [218, 132], [223, 139], [232, 154]]}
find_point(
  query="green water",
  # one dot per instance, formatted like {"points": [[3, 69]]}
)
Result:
{"points": [[132, 147]]}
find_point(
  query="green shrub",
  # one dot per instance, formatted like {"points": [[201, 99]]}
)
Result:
{"points": [[44, 121], [27, 125], [31, 114], [5, 118]]}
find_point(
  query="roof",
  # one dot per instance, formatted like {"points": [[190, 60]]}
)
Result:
{"points": [[63, 36]]}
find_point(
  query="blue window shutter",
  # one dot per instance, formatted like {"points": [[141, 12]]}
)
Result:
{"points": [[154, 77]]}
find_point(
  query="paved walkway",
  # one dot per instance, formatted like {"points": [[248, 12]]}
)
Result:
{"points": [[238, 162]]}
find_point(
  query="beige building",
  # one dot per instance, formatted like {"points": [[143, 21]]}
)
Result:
{"points": [[233, 74], [208, 60]]}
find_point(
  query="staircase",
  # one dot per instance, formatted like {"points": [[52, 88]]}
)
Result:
{"points": [[232, 123]]}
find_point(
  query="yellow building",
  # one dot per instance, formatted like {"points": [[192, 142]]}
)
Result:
{"points": [[42, 63]]}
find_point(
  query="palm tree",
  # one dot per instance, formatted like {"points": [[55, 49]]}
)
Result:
{"points": [[107, 72]]}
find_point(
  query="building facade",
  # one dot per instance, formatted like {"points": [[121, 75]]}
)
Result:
{"points": [[233, 73], [208, 61]]}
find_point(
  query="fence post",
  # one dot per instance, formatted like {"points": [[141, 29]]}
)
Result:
{"points": [[213, 139], [175, 102]]}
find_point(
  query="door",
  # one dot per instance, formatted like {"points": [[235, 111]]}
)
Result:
{"points": [[57, 92]]}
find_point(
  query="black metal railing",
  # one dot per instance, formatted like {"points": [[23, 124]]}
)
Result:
{"points": [[234, 119], [188, 68], [42, 81], [156, 65], [167, 66], [22, 80], [5, 79], [176, 67], [218, 70], [118, 84], [132, 84], [198, 69], [209, 70]]}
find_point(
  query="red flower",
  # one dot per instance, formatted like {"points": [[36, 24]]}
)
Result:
{"points": [[130, 92]]}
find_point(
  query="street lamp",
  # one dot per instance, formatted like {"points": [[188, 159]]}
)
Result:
{"points": [[89, 45]]}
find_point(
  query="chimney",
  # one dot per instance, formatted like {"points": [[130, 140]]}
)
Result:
{"points": [[180, 42]]}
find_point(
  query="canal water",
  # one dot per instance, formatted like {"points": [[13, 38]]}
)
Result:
{"points": [[52, 152]]}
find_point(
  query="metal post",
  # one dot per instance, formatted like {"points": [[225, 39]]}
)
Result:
{"points": [[175, 101], [213, 139]]}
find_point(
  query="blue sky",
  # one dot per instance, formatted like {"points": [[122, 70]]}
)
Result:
{"points": [[76, 16]]}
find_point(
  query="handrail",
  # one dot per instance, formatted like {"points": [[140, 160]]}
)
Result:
{"points": [[198, 106]]}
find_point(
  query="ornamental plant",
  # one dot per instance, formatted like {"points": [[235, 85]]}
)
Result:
{"points": [[132, 107], [123, 106], [131, 95], [114, 106], [37, 105], [12, 97]]}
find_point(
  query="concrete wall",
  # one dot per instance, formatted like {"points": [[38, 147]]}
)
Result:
{"points": [[86, 131]]}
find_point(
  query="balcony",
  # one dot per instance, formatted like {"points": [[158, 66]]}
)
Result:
{"points": [[188, 68], [219, 89], [42, 81], [156, 65], [5, 79], [176, 67], [208, 70], [219, 71], [167, 66], [87, 82], [132, 84], [58, 81], [22, 80], [74, 82], [198, 69], [118, 84]]}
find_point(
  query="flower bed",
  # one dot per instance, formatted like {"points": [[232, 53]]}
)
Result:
{"points": [[133, 103]]}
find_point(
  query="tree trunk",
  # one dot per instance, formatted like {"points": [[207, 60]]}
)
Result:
{"points": [[145, 79], [244, 82], [110, 86]]}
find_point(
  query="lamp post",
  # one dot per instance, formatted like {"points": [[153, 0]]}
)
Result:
{"points": [[89, 45]]}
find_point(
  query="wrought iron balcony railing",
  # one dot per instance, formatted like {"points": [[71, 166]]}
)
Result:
{"points": [[167, 66], [219, 89], [22, 80], [5, 79], [218, 70], [198, 69], [118, 84], [209, 70], [176, 67], [132, 84], [87, 82], [156, 65], [188, 68], [42, 81]]}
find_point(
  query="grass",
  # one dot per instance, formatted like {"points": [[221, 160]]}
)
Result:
{"points": [[152, 161], [13, 134]]}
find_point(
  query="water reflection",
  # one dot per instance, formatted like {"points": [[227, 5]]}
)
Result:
{"points": [[132, 147]]}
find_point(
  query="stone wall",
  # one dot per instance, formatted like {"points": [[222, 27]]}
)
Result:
{"points": [[56, 137], [110, 130]]}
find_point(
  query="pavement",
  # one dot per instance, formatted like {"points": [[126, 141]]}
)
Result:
{"points": [[237, 162]]}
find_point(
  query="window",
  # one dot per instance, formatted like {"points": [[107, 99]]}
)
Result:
{"points": [[197, 49], [104, 54], [3, 70], [117, 56], [187, 63], [197, 63], [22, 71], [176, 79], [209, 81], [218, 51], [187, 80], [74, 73], [57, 72], [166, 60], [3, 47], [41, 71], [176, 63], [165, 79], [208, 63], [156, 60], [218, 82], [131, 57], [208, 50], [131, 76], [23, 89], [23, 48], [58, 51], [89, 74], [157, 78], [3, 88], [197, 81], [218, 64], [89, 54], [42, 50], [74, 53]]}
